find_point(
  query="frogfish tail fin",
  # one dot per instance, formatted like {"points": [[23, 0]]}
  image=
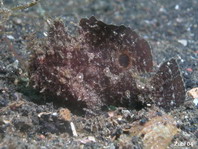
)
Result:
{"points": [[168, 86]]}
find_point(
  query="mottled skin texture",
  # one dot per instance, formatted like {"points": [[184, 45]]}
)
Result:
{"points": [[102, 66]]}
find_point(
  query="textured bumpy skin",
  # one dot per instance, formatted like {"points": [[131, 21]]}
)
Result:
{"points": [[169, 90], [101, 66]]}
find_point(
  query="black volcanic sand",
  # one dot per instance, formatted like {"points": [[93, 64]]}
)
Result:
{"points": [[171, 28]]}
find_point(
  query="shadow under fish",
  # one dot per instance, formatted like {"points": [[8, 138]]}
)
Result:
{"points": [[103, 65]]}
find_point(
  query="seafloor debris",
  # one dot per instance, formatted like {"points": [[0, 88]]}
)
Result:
{"points": [[193, 93], [65, 114], [156, 132], [105, 64]]}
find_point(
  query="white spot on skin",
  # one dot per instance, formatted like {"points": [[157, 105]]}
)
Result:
{"points": [[173, 96], [122, 35], [107, 71], [170, 71], [92, 26], [144, 63], [80, 77], [79, 99], [172, 88], [69, 55], [114, 78], [127, 94], [115, 33], [91, 56]]}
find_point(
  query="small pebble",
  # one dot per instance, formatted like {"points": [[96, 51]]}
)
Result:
{"points": [[65, 114], [193, 93], [189, 69], [183, 42], [195, 101], [10, 37], [91, 138], [176, 7]]}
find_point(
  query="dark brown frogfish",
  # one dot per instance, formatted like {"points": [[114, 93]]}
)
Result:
{"points": [[103, 65]]}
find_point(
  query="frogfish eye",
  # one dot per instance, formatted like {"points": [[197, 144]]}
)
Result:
{"points": [[124, 60]]}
